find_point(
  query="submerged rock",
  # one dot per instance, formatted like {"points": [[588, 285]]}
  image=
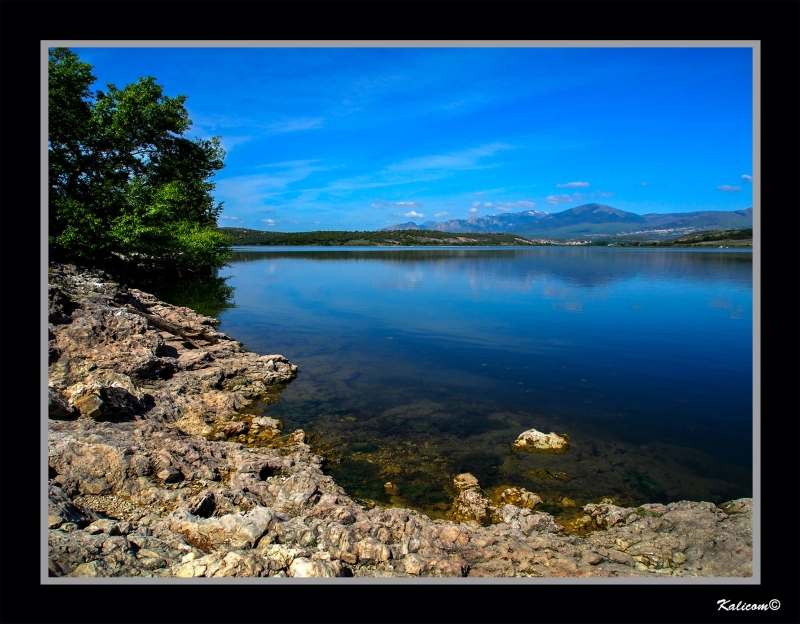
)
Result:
{"points": [[520, 497], [471, 505], [512, 507], [532, 440], [465, 482]]}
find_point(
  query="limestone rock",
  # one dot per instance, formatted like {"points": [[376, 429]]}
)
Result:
{"points": [[61, 509], [170, 475], [58, 406], [471, 505], [58, 300], [539, 523], [299, 491], [536, 440], [303, 567], [111, 527], [105, 395], [607, 515], [520, 497], [465, 481], [241, 530], [89, 404], [194, 360], [298, 437], [268, 423]]}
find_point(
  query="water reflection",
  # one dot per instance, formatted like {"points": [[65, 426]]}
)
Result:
{"points": [[587, 267], [419, 364], [210, 296]]}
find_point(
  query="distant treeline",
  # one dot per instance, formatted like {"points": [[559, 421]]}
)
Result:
{"points": [[244, 236], [688, 240], [698, 238], [704, 237], [405, 238]]}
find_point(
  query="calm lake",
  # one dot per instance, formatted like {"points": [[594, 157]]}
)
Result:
{"points": [[417, 364]]}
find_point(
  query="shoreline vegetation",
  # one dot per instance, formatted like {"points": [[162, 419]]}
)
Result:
{"points": [[159, 466], [129, 190], [405, 238]]}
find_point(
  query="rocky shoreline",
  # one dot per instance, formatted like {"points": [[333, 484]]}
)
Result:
{"points": [[160, 465]]}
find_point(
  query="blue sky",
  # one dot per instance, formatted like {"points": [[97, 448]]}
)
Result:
{"points": [[361, 138]]}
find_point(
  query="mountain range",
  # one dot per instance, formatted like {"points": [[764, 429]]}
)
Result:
{"points": [[590, 220]]}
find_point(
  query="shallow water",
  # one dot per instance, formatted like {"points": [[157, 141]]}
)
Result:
{"points": [[418, 364]]}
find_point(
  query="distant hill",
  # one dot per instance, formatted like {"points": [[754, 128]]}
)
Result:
{"points": [[709, 219], [589, 213], [507, 223], [590, 220], [395, 238], [403, 226], [741, 236]]}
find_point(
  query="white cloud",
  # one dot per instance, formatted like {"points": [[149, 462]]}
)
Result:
{"points": [[522, 204], [273, 222], [412, 213], [555, 200], [476, 204], [234, 219], [602, 194], [249, 191], [207, 125], [420, 169], [747, 179], [643, 184], [229, 142], [307, 164], [573, 185], [441, 214], [292, 125], [487, 204], [474, 210], [461, 160], [402, 204], [727, 188], [455, 104], [356, 183]]}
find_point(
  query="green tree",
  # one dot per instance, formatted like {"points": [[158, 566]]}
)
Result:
{"points": [[125, 181]]}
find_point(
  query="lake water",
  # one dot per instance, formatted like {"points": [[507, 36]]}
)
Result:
{"points": [[419, 364]]}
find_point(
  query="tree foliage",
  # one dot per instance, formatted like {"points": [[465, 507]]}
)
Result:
{"points": [[125, 181]]}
